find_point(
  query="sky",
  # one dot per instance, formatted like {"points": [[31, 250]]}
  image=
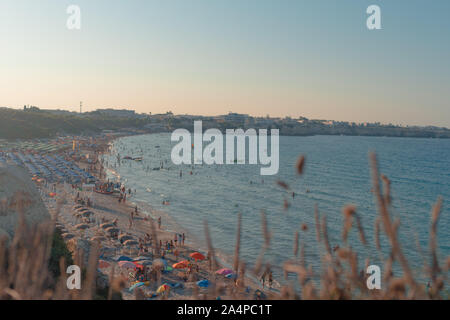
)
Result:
{"points": [[315, 59]]}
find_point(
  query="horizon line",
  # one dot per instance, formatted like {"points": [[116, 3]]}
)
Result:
{"points": [[223, 114]]}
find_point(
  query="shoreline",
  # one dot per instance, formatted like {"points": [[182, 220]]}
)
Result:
{"points": [[105, 209]]}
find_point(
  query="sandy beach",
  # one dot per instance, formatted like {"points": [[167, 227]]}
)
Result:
{"points": [[136, 250]]}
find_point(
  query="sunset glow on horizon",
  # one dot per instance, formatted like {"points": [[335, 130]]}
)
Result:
{"points": [[315, 59]]}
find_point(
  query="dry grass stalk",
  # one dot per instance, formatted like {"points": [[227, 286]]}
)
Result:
{"points": [[300, 165], [433, 241], [296, 243], [24, 260], [238, 245], [317, 220], [388, 226]]}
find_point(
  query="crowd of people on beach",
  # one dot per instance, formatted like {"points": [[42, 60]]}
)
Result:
{"points": [[170, 248]]}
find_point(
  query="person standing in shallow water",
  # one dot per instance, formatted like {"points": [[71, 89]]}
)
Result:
{"points": [[159, 223]]}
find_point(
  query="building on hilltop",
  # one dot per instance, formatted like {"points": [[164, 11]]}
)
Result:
{"points": [[122, 113]]}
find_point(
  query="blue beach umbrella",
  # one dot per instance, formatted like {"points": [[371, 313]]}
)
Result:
{"points": [[124, 258], [136, 285], [203, 283], [231, 276]]}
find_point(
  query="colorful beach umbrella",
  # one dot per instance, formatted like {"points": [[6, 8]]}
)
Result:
{"points": [[163, 288], [197, 256], [181, 265], [224, 271], [136, 285], [140, 266]]}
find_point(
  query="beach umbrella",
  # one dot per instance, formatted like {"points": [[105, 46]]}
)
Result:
{"points": [[127, 264], [87, 213], [140, 266], [180, 265], [52, 194], [231, 276], [197, 256], [67, 236], [98, 238], [224, 271], [136, 285], [124, 258], [106, 225], [112, 229], [163, 288], [203, 283], [103, 264], [82, 226], [140, 258], [125, 237], [131, 243]]}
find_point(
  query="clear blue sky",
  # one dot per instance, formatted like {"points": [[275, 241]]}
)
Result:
{"points": [[282, 57]]}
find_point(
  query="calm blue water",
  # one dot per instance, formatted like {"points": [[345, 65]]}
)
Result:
{"points": [[336, 173]]}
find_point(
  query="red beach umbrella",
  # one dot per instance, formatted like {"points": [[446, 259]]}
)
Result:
{"points": [[197, 256]]}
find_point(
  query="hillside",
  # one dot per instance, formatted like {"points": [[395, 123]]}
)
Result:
{"points": [[22, 124]]}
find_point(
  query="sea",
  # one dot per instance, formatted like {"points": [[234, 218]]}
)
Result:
{"points": [[336, 174]]}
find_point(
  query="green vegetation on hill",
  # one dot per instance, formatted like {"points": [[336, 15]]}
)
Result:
{"points": [[35, 123]]}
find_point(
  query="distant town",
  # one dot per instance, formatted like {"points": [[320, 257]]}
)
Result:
{"points": [[33, 122]]}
